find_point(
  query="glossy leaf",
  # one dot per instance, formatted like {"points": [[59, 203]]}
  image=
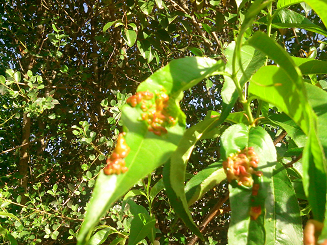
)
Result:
{"points": [[148, 151], [146, 6], [318, 101], [287, 220], [204, 181], [130, 37], [294, 103], [141, 225], [286, 3], [283, 87], [286, 18], [174, 171], [251, 61], [310, 66], [290, 127], [242, 229], [100, 236], [145, 49], [159, 186], [319, 6]]}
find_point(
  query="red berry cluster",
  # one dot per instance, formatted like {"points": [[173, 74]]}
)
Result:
{"points": [[241, 166], [156, 115], [116, 162]]}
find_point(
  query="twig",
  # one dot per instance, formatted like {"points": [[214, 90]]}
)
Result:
{"points": [[195, 24], [290, 164], [213, 212], [280, 137]]}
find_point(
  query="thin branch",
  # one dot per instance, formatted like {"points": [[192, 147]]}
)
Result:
{"points": [[280, 137], [213, 212], [290, 164], [195, 24]]}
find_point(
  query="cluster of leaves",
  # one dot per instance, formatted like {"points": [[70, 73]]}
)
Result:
{"points": [[90, 56], [269, 211]]}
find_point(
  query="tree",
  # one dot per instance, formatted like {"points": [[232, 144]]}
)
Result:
{"points": [[79, 61]]}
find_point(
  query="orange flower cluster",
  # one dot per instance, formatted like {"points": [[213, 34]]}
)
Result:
{"points": [[116, 162], [241, 166], [156, 115]]}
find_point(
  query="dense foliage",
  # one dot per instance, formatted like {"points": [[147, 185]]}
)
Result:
{"points": [[69, 69]]}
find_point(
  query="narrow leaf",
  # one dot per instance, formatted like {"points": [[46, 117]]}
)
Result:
{"points": [[286, 3], [148, 151], [174, 172], [310, 66], [244, 230], [204, 181], [286, 18], [288, 221], [319, 6], [283, 87]]}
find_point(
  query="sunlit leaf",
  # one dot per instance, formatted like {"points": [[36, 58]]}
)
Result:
{"points": [[283, 87], [203, 181], [242, 229], [174, 171], [319, 6], [148, 151], [286, 18]]}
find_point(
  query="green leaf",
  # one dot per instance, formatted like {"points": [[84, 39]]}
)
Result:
{"points": [[10, 215], [310, 66], [159, 186], [17, 76], [242, 229], [280, 81], [319, 6], [290, 127], [160, 4], [204, 181], [148, 151], [251, 61], [145, 50], [146, 6], [54, 235], [130, 37], [109, 24], [286, 18], [283, 87], [12, 239], [286, 3], [101, 236], [180, 75], [296, 105], [141, 225], [196, 51], [318, 101], [174, 171], [288, 221]]}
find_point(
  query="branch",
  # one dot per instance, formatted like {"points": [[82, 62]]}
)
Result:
{"points": [[213, 212], [195, 24], [280, 137]]}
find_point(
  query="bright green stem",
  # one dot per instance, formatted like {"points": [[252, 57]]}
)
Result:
{"points": [[269, 18], [259, 108], [244, 101]]}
